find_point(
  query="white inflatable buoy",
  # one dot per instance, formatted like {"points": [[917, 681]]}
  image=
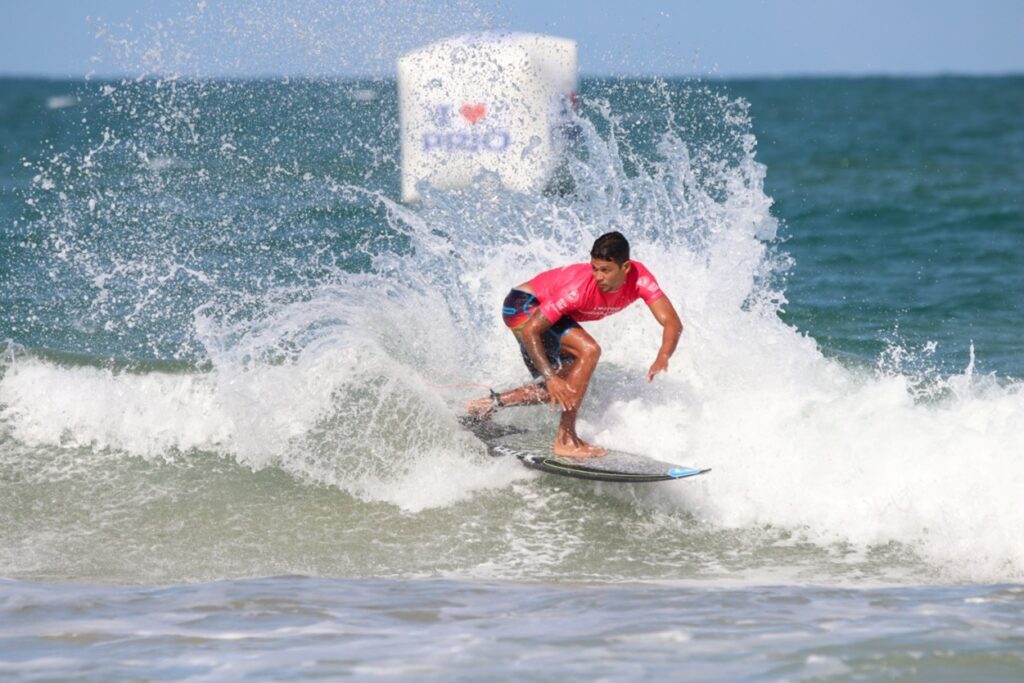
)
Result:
{"points": [[496, 102]]}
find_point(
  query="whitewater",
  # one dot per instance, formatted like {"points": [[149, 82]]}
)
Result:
{"points": [[347, 383]]}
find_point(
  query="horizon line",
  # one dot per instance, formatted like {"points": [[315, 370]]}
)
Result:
{"points": [[940, 73]]}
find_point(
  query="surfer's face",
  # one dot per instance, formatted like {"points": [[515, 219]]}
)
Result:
{"points": [[609, 275]]}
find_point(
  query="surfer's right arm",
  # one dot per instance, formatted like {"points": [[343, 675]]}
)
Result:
{"points": [[558, 389]]}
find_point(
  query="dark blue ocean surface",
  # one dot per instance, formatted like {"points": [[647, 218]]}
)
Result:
{"points": [[903, 209]]}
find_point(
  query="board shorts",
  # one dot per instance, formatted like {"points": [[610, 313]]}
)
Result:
{"points": [[516, 310]]}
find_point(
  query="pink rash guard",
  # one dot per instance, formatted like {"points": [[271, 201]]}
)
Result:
{"points": [[572, 291]]}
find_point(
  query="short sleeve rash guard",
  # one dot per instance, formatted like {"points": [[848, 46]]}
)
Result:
{"points": [[572, 291]]}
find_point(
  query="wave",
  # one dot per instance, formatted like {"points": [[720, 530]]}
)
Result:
{"points": [[346, 381]]}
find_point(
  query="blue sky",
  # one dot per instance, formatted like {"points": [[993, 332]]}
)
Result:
{"points": [[333, 37]]}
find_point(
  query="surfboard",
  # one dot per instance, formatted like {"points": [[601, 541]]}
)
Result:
{"points": [[615, 466]]}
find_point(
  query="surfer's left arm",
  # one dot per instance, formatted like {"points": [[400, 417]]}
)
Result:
{"points": [[672, 327]]}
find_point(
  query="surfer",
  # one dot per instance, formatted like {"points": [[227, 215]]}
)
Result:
{"points": [[545, 313]]}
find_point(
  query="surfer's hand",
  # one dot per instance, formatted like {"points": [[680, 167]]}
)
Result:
{"points": [[562, 394], [660, 364]]}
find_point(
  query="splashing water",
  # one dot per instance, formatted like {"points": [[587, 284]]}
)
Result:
{"points": [[240, 283]]}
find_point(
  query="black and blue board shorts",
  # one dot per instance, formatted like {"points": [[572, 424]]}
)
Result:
{"points": [[516, 310]]}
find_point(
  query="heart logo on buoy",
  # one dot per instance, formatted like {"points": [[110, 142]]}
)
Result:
{"points": [[473, 112]]}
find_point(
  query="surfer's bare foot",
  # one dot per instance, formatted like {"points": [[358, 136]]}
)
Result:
{"points": [[578, 448], [481, 408]]}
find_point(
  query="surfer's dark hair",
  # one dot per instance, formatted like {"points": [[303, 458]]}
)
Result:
{"points": [[611, 246]]}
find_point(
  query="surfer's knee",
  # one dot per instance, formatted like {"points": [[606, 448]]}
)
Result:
{"points": [[590, 350]]}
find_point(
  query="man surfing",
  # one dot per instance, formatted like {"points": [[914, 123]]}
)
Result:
{"points": [[545, 313]]}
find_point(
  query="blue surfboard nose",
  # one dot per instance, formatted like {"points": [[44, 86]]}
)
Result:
{"points": [[679, 472]]}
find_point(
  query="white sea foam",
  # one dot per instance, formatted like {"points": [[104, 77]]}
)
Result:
{"points": [[339, 386], [340, 411]]}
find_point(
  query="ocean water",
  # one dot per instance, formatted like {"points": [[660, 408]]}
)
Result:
{"points": [[233, 365]]}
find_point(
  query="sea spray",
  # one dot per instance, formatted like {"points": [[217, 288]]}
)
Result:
{"points": [[312, 318]]}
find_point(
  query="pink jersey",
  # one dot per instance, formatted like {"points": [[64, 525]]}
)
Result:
{"points": [[572, 291]]}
